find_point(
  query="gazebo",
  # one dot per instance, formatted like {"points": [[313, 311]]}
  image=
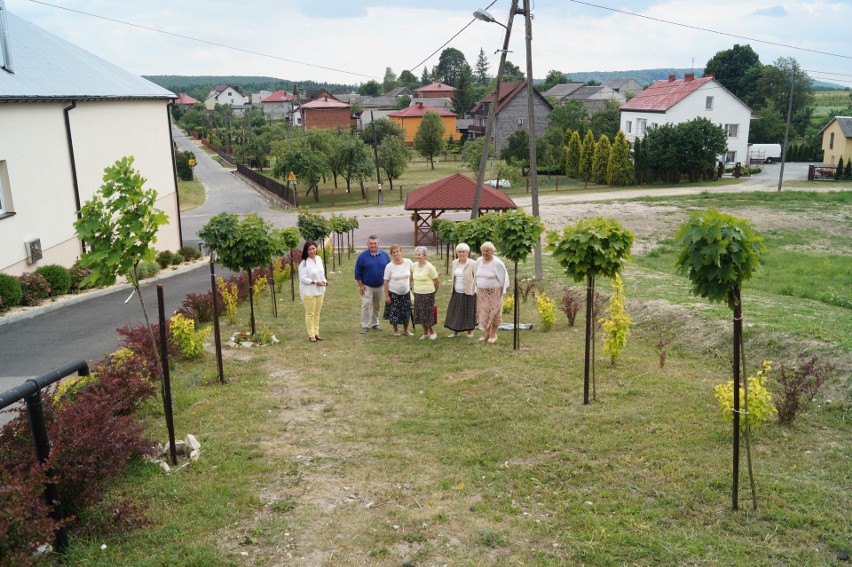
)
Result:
{"points": [[453, 193]]}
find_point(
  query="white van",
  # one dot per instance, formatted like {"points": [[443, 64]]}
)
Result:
{"points": [[764, 153]]}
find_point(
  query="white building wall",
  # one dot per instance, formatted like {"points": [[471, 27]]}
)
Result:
{"points": [[727, 109], [35, 150]]}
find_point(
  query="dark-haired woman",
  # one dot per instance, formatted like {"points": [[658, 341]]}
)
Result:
{"points": [[312, 285]]}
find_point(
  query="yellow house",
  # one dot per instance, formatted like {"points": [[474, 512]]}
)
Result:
{"points": [[837, 140], [410, 118]]}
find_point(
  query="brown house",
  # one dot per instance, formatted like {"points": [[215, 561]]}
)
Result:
{"points": [[511, 113], [326, 112]]}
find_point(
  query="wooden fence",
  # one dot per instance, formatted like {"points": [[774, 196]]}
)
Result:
{"points": [[282, 191]]}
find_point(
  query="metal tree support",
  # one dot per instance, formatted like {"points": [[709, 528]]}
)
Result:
{"points": [[167, 385], [590, 298], [216, 333], [738, 332], [31, 392]]}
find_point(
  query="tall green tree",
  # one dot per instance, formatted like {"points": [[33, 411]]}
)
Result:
{"points": [[466, 93], [517, 150], [354, 157], [570, 114], [554, 77], [512, 72], [769, 129], [701, 142], [254, 149], [119, 225], [472, 153], [619, 169], [309, 165], [481, 72], [607, 120], [429, 138], [425, 77], [730, 67], [384, 128], [450, 65], [370, 88], [394, 156], [390, 80], [600, 160], [573, 155], [587, 156], [408, 80]]}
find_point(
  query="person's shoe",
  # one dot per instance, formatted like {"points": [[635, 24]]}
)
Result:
{"points": [[408, 334], [317, 337], [423, 337], [492, 340], [481, 339], [452, 335], [433, 336], [313, 339], [469, 335], [365, 330], [376, 328], [396, 334]]}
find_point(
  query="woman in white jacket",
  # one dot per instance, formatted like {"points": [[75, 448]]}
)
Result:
{"points": [[492, 281], [312, 284]]}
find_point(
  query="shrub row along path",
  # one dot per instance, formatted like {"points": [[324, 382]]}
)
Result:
{"points": [[44, 338]]}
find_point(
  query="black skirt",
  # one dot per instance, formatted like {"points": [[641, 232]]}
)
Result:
{"points": [[424, 313], [461, 312], [398, 312]]}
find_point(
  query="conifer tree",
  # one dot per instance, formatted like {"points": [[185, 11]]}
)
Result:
{"points": [[839, 173], [587, 154], [573, 155], [482, 68], [600, 160], [619, 169]]}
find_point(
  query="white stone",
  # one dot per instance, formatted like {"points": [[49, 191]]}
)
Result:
{"points": [[192, 442], [165, 466], [195, 454]]}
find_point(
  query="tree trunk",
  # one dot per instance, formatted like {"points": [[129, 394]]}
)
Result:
{"points": [[251, 301], [590, 291], [516, 344]]}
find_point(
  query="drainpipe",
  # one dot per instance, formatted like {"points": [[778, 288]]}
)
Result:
{"points": [[4, 39], [74, 181], [174, 169]]}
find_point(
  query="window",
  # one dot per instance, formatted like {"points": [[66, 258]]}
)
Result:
{"points": [[708, 103], [5, 192], [731, 157], [831, 141], [520, 122], [628, 126], [653, 124], [640, 126], [732, 130]]}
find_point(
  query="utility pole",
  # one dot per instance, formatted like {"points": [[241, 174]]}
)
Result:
{"points": [[787, 128], [531, 119]]}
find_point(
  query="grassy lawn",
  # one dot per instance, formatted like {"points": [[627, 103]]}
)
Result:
{"points": [[373, 449], [192, 194]]}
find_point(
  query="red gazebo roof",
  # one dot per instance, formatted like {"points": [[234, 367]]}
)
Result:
{"points": [[456, 192]]}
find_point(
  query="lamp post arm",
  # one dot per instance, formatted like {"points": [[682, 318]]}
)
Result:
{"points": [[492, 110]]}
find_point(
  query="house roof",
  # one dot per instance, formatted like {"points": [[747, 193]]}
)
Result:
{"points": [[279, 96], [597, 92], [456, 192], [845, 123], [45, 67], [325, 102], [399, 91], [437, 102], [380, 101], [184, 98], [435, 87], [663, 95], [507, 92], [420, 110], [562, 90]]}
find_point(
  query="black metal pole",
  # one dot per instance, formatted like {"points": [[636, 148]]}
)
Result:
{"points": [[589, 308], [251, 301], [274, 301], [516, 343], [292, 285], [217, 336], [35, 414], [167, 386], [738, 330]]}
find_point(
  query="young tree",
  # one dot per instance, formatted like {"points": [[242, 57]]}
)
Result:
{"points": [[600, 160], [119, 225], [254, 149], [472, 153], [573, 155], [429, 138], [390, 81], [384, 128], [354, 158], [718, 253], [516, 234], [517, 150], [394, 156], [591, 248], [570, 114], [426, 77], [482, 68], [619, 169], [587, 156], [309, 165], [466, 93]]}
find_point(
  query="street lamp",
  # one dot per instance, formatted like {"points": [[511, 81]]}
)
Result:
{"points": [[486, 17]]}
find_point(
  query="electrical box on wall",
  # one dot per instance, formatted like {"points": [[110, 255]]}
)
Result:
{"points": [[34, 253]]}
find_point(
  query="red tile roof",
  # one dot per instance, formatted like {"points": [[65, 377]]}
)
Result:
{"points": [[436, 87], [420, 109], [184, 98], [325, 102], [456, 192], [663, 95], [279, 96]]}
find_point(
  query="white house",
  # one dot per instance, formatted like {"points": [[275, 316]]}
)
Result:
{"points": [[226, 94], [676, 101], [278, 105], [65, 115]]}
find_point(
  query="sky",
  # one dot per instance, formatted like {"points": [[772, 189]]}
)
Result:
{"points": [[352, 41]]}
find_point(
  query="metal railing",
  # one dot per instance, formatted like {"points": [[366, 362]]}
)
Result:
{"points": [[30, 392]]}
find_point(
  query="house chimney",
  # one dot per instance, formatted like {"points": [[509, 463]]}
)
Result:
{"points": [[688, 77], [671, 78], [709, 75], [4, 39], [419, 105]]}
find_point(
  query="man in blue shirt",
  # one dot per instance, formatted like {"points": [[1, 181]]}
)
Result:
{"points": [[370, 275]]}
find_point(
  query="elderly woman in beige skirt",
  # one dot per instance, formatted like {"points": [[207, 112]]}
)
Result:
{"points": [[492, 281]]}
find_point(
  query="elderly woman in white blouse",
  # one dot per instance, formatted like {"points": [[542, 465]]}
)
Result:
{"points": [[461, 312], [398, 279], [492, 281], [312, 285]]}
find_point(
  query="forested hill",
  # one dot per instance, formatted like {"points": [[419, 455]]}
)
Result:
{"points": [[200, 86], [642, 76]]}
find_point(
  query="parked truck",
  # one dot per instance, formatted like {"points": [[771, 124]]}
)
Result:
{"points": [[764, 153]]}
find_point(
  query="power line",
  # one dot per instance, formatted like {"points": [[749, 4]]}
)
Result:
{"points": [[213, 43], [710, 31]]}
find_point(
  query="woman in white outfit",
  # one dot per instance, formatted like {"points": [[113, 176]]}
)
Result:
{"points": [[492, 281], [398, 278], [312, 284], [461, 312]]}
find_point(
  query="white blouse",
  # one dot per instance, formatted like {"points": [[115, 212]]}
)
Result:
{"points": [[310, 272], [398, 277]]}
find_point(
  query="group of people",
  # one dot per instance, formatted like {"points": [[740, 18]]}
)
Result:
{"points": [[408, 289]]}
